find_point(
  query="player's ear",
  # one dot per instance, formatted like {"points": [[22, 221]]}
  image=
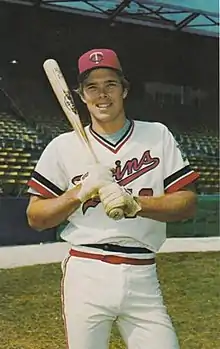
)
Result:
{"points": [[82, 98], [126, 87], [125, 93], [80, 93]]}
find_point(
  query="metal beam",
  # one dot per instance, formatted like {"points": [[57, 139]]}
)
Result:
{"points": [[179, 7], [119, 9], [211, 20], [187, 20], [94, 6], [155, 12], [141, 19]]}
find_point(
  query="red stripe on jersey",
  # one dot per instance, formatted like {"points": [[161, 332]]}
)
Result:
{"points": [[182, 182], [41, 190], [63, 300]]}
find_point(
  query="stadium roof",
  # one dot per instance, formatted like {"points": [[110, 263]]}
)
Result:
{"points": [[195, 16]]}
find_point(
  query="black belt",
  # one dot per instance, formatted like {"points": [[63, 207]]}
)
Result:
{"points": [[118, 248]]}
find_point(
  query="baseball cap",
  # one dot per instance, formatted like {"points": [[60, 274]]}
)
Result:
{"points": [[98, 58]]}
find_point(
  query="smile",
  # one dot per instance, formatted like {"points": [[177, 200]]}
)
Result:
{"points": [[103, 106]]}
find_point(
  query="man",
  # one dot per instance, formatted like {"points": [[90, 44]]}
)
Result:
{"points": [[110, 272]]}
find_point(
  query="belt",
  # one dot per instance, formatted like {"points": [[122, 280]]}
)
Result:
{"points": [[112, 259], [118, 248]]}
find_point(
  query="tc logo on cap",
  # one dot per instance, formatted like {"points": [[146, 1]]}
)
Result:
{"points": [[96, 57]]}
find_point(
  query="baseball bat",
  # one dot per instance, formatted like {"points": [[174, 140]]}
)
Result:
{"points": [[65, 98]]}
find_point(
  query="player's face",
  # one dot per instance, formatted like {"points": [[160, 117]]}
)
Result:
{"points": [[103, 93]]}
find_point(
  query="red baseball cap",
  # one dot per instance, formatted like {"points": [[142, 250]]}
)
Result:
{"points": [[98, 58]]}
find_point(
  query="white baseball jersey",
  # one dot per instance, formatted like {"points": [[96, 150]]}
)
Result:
{"points": [[147, 161]]}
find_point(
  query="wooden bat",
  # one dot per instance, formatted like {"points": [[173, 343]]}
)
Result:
{"points": [[65, 98]]}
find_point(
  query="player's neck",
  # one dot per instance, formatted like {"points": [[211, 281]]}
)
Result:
{"points": [[108, 128]]}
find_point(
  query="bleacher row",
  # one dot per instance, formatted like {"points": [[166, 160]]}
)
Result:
{"points": [[21, 144], [199, 143]]}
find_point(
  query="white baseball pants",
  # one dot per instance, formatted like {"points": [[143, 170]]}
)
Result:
{"points": [[95, 294]]}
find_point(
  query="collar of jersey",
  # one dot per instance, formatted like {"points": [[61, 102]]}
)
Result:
{"points": [[109, 145]]}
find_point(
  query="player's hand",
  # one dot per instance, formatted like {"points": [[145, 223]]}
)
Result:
{"points": [[132, 207], [114, 196], [96, 177]]}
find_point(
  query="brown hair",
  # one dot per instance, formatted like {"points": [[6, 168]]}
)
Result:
{"points": [[125, 83]]}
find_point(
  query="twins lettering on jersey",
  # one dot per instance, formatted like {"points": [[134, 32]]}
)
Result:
{"points": [[134, 168], [124, 175]]}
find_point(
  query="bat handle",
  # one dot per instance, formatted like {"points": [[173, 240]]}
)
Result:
{"points": [[116, 213]]}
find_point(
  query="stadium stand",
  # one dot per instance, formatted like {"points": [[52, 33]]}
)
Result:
{"points": [[23, 135], [20, 146], [21, 143]]}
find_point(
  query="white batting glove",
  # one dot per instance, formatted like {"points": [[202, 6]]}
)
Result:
{"points": [[114, 196], [96, 177]]}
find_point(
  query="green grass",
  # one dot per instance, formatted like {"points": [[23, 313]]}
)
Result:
{"points": [[30, 315]]}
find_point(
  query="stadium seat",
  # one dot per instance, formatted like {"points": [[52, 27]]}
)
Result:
{"points": [[14, 167], [25, 155], [22, 141], [3, 166], [11, 174], [10, 160]]}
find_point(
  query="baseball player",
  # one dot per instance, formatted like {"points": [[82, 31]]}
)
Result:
{"points": [[110, 271]]}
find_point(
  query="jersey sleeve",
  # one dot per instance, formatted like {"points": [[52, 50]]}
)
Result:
{"points": [[177, 171], [48, 178]]}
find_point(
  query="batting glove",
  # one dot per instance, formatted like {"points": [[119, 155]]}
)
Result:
{"points": [[97, 177], [114, 196]]}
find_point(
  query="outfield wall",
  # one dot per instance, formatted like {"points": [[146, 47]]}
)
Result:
{"points": [[205, 223], [14, 228]]}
